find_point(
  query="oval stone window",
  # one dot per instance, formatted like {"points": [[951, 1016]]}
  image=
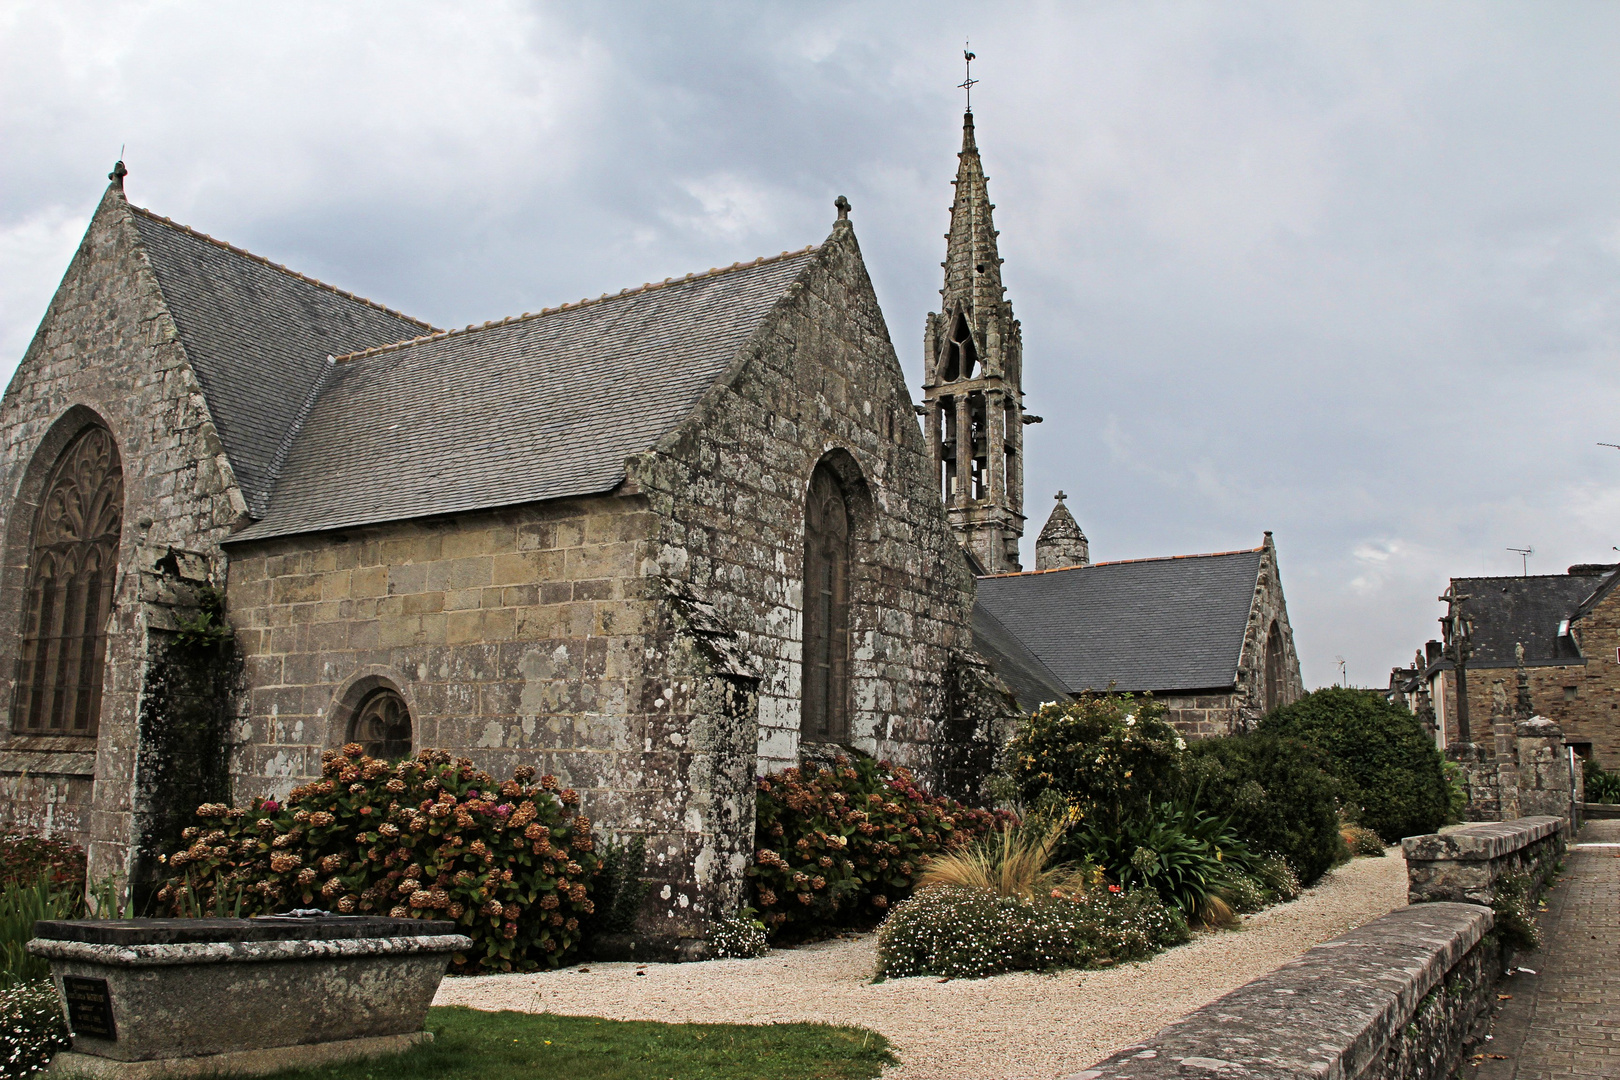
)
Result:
{"points": [[382, 725]]}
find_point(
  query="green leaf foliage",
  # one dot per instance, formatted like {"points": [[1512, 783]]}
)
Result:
{"points": [[1188, 856], [1390, 766], [1108, 756], [1279, 794]]}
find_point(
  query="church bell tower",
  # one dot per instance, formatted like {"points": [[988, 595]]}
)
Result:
{"points": [[973, 380]]}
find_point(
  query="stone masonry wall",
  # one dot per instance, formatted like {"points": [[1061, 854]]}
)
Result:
{"points": [[820, 382], [1391, 1000], [1269, 608], [1203, 716], [107, 352]]}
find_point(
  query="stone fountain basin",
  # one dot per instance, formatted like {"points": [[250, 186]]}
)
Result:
{"points": [[242, 995]]}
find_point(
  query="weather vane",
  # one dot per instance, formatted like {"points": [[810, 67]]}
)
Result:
{"points": [[968, 82]]}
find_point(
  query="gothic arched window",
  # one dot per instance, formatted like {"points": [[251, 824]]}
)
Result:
{"points": [[72, 565], [961, 355], [382, 725], [824, 715], [1276, 668]]}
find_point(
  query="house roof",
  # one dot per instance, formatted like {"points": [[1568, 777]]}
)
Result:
{"points": [[1031, 681], [1161, 625], [257, 335], [533, 407], [1509, 610]]}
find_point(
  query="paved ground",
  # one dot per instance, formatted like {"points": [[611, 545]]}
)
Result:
{"points": [[1011, 1026], [1563, 1018]]}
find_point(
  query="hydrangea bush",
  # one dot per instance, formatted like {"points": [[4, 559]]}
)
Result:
{"points": [[958, 932], [838, 843], [511, 861]]}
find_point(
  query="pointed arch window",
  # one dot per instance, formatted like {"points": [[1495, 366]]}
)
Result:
{"points": [[1276, 668], [824, 710], [382, 725], [961, 355], [73, 562]]}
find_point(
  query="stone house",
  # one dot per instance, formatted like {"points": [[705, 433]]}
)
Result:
{"points": [[1569, 628], [653, 543], [1206, 635]]}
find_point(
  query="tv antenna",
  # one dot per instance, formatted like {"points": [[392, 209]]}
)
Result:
{"points": [[968, 81], [1524, 554], [1615, 446], [1343, 678]]}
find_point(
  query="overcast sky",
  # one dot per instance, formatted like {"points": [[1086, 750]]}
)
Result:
{"points": [[1347, 272]]}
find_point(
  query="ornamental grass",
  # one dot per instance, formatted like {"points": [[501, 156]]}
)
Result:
{"points": [[511, 862], [1015, 861]]}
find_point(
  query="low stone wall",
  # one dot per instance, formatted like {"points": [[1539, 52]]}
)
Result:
{"points": [[1466, 864], [1392, 999]]}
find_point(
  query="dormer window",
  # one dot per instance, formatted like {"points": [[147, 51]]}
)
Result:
{"points": [[961, 355]]}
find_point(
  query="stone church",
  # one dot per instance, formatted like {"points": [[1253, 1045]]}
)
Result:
{"points": [[654, 543]]}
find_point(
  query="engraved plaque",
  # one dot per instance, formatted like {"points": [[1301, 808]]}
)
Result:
{"points": [[89, 1006]]}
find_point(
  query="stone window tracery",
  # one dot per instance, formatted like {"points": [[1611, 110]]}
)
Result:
{"points": [[73, 562], [824, 715], [382, 724], [961, 355]]}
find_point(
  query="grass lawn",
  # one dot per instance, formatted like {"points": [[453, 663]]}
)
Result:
{"points": [[469, 1044]]}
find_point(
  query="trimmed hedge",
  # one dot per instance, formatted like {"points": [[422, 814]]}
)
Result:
{"points": [[837, 844], [512, 862], [1392, 772], [1280, 795]]}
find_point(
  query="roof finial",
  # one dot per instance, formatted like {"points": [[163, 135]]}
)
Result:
{"points": [[119, 172], [1061, 496], [968, 81], [843, 208]]}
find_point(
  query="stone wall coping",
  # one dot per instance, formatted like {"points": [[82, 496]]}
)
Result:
{"points": [[240, 952], [1481, 841], [1329, 1013], [255, 928]]}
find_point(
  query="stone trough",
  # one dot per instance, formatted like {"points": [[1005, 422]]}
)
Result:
{"points": [[196, 997]]}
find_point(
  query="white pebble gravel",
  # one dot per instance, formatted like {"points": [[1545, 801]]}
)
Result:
{"points": [[1011, 1027]]}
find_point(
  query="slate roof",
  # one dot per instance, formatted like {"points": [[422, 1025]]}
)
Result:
{"points": [[258, 336], [534, 407], [1508, 610], [1161, 625], [1031, 681]]}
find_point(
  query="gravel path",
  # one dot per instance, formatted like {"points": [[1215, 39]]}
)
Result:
{"points": [[1011, 1026]]}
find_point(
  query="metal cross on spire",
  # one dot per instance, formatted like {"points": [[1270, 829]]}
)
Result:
{"points": [[968, 81]]}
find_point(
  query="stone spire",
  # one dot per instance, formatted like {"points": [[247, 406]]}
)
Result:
{"points": [[973, 371], [1061, 543]]}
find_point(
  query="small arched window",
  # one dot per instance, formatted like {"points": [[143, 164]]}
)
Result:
{"points": [[1276, 668], [73, 562], [824, 715], [382, 724], [961, 355]]}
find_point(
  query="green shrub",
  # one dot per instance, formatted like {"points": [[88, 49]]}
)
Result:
{"points": [[1108, 756], [1188, 856], [619, 888], [1279, 795], [25, 856], [740, 936], [32, 1029], [1246, 894], [21, 905], [1602, 786], [512, 862], [959, 932], [1273, 874], [837, 844], [1389, 764]]}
